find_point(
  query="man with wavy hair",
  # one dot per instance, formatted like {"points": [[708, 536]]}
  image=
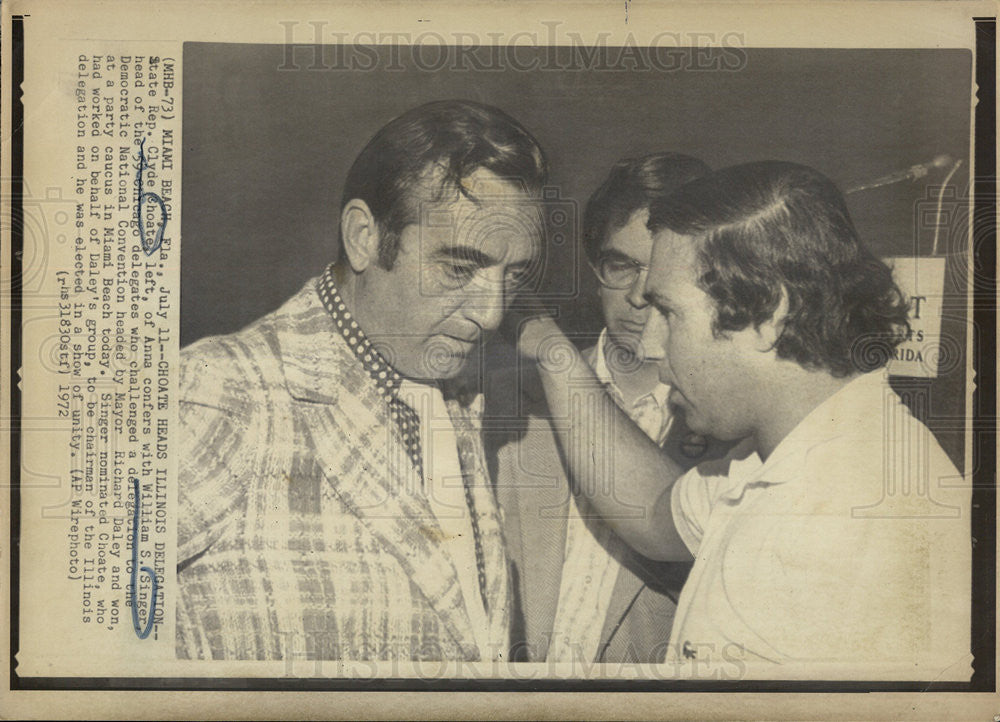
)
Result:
{"points": [[584, 596], [334, 499], [837, 532]]}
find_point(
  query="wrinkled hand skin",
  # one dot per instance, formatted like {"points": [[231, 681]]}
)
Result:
{"points": [[538, 336], [529, 326]]}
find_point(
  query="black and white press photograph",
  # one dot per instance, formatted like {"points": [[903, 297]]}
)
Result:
{"points": [[589, 357], [499, 360]]}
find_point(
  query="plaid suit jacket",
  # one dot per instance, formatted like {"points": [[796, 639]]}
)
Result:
{"points": [[303, 530]]}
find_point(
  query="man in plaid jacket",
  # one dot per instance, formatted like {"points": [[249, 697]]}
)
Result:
{"points": [[334, 497]]}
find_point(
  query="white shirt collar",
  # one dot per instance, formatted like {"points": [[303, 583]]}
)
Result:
{"points": [[660, 392], [852, 408]]}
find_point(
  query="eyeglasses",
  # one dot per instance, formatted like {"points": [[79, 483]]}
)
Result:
{"points": [[618, 273]]}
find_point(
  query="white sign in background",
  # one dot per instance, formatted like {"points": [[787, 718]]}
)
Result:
{"points": [[921, 354]]}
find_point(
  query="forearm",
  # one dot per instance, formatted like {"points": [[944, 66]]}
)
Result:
{"points": [[624, 475]]}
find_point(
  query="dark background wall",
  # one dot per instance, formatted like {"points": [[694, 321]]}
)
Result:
{"points": [[266, 148]]}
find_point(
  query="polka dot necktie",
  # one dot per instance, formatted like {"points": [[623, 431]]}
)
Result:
{"points": [[385, 377], [388, 382]]}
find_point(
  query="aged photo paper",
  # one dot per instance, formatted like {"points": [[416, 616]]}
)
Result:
{"points": [[277, 441]]}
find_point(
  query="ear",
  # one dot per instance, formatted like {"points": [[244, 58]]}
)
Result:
{"points": [[360, 234], [770, 331]]}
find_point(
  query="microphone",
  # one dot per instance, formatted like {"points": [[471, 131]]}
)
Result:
{"points": [[910, 174]]}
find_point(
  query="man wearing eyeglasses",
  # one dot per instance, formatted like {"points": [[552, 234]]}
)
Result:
{"points": [[585, 597], [834, 539], [618, 246]]}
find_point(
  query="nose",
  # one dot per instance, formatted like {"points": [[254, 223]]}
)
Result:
{"points": [[654, 340], [635, 295], [486, 306]]}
